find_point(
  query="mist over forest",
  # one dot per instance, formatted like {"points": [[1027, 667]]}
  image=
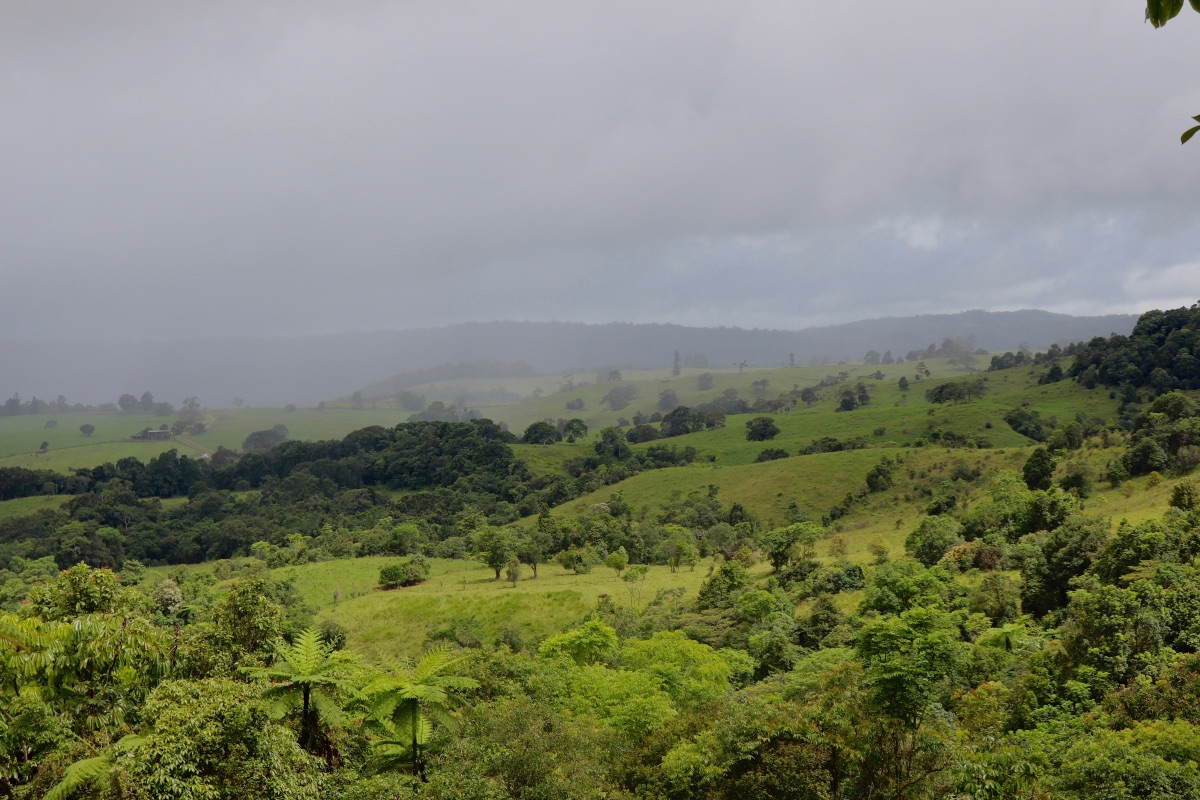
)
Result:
{"points": [[305, 370]]}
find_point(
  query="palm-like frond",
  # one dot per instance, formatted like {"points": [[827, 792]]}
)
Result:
{"points": [[82, 773], [28, 647], [93, 770], [305, 674], [402, 708], [308, 661]]}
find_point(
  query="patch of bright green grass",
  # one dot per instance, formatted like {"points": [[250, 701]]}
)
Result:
{"points": [[28, 505], [393, 623]]}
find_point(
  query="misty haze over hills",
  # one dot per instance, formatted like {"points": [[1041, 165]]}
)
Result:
{"points": [[305, 370]]}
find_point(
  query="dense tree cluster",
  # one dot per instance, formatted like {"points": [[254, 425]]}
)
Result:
{"points": [[321, 491], [1159, 354], [1164, 437]]}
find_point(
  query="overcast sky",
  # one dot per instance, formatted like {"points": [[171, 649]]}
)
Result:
{"points": [[208, 168]]}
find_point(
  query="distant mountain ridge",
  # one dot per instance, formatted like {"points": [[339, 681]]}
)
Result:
{"points": [[304, 370]]}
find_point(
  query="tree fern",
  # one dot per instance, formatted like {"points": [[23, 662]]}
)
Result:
{"points": [[91, 771], [307, 674], [403, 707]]}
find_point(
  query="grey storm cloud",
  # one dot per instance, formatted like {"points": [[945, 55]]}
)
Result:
{"points": [[293, 167]]}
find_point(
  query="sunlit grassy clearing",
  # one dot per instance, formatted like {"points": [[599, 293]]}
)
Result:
{"points": [[389, 624]]}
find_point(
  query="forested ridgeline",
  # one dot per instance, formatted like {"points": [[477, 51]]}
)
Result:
{"points": [[302, 370]]}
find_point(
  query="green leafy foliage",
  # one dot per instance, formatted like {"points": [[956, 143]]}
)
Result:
{"points": [[403, 707], [761, 429], [408, 572], [309, 677], [933, 538], [591, 643], [213, 739]]}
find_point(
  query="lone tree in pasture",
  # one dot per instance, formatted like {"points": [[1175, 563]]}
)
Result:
{"points": [[635, 578], [617, 560], [575, 429], [761, 429], [956, 392], [494, 546], [407, 572], [512, 570], [541, 432]]}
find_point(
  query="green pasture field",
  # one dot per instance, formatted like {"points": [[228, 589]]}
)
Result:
{"points": [[816, 483], [386, 624], [29, 505], [544, 459], [21, 436], [903, 416], [396, 623]]}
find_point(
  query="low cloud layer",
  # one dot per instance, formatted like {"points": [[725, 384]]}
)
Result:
{"points": [[287, 167]]}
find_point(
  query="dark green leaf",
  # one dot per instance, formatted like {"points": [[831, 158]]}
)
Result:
{"points": [[1188, 134], [1160, 11]]}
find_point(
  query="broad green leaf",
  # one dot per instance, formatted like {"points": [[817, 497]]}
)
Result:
{"points": [[1159, 12], [1188, 134]]}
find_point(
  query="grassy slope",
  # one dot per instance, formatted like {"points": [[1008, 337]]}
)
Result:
{"points": [[21, 436], [393, 624], [28, 505], [389, 623], [891, 420]]}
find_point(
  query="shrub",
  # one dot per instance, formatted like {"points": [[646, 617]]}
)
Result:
{"points": [[761, 429], [333, 634], [771, 454], [407, 572], [1184, 495]]}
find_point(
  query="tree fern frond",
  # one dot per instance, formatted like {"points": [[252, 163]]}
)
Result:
{"points": [[80, 774], [306, 655], [328, 711]]}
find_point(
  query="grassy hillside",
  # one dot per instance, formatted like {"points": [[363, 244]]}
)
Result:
{"points": [[891, 423], [21, 436], [397, 623], [893, 417]]}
